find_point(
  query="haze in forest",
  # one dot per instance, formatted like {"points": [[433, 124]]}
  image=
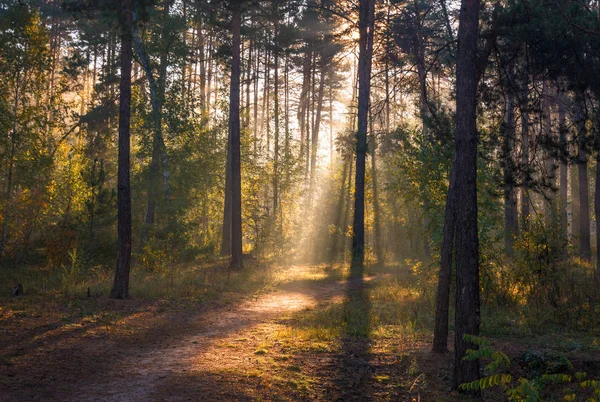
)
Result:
{"points": [[299, 200]]}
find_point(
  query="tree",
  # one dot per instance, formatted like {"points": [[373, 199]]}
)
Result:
{"points": [[465, 168], [234, 143], [366, 25], [120, 288]]}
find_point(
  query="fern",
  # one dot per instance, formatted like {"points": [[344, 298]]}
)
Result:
{"points": [[594, 384], [477, 340], [487, 382], [526, 390]]}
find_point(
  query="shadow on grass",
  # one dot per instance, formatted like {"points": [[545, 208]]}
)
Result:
{"points": [[355, 372], [58, 349]]}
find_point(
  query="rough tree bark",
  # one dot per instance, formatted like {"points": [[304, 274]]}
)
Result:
{"points": [[120, 288], [584, 200], [525, 200], [597, 202], [564, 159], [315, 130], [467, 315], [511, 216], [550, 166], [234, 124], [366, 25], [276, 134]]}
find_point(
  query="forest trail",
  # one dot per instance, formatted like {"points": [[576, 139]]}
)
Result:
{"points": [[207, 351], [182, 355]]}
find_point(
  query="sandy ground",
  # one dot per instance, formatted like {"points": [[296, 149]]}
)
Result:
{"points": [[194, 349]]}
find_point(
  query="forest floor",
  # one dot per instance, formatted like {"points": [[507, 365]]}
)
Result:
{"points": [[310, 335]]}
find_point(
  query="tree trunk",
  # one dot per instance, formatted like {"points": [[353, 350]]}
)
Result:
{"points": [[331, 147], [302, 103], [511, 217], [286, 150], [226, 232], [442, 301], [157, 96], [120, 288], [366, 25], [525, 201], [315, 133], [376, 211], [339, 219], [234, 123], [255, 103], [597, 202], [564, 160], [276, 135], [203, 63], [584, 200], [549, 204], [347, 209], [11, 162], [467, 315]]}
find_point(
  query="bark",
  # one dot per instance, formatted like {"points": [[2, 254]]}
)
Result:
{"points": [[376, 211], [264, 114], [440, 342], [331, 160], [347, 210], [442, 303], [525, 201], [234, 123], [255, 102], [276, 135], [226, 232], [287, 118], [11, 162], [564, 167], [597, 202], [339, 220], [366, 26], [584, 201], [157, 96], [549, 210], [203, 63], [248, 83], [120, 288], [467, 317], [511, 225], [315, 132], [302, 103]]}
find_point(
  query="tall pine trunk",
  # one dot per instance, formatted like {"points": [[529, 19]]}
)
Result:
{"points": [[315, 131], [120, 288], [378, 246], [234, 124], [564, 160], [584, 200], [549, 204], [511, 216], [467, 315], [597, 202], [366, 25], [525, 200], [442, 301], [276, 135]]}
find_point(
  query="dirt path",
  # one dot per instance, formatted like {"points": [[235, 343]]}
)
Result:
{"points": [[205, 345]]}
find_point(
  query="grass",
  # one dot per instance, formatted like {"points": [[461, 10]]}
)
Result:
{"points": [[373, 339]]}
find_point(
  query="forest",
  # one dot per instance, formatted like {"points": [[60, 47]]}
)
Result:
{"points": [[300, 200]]}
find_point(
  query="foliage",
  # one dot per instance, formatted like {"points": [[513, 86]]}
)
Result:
{"points": [[547, 370]]}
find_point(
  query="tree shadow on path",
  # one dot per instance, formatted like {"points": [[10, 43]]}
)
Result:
{"points": [[355, 372]]}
